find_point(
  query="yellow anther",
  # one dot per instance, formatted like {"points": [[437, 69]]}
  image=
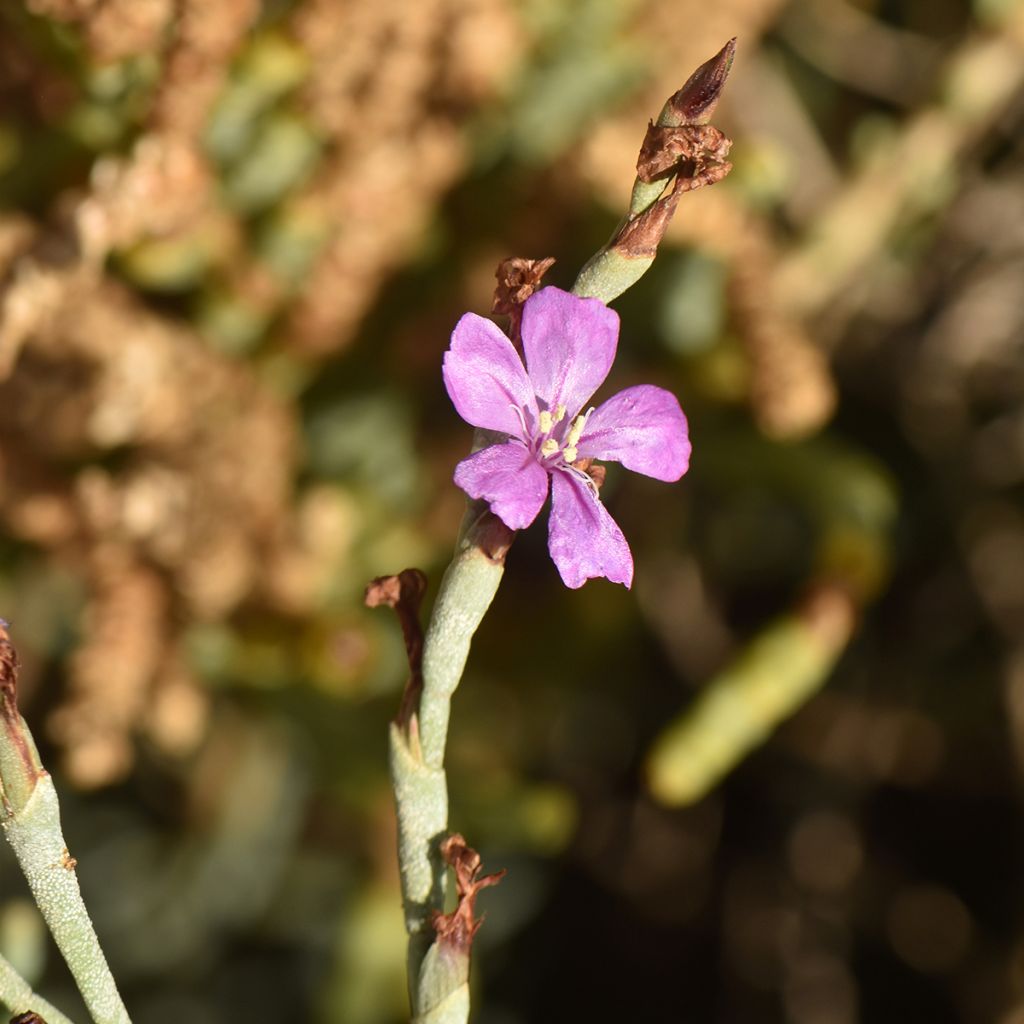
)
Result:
{"points": [[575, 430], [570, 454], [549, 447], [559, 413], [546, 421]]}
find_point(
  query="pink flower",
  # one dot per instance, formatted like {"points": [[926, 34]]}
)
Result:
{"points": [[569, 345]]}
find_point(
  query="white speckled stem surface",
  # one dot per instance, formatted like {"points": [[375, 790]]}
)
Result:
{"points": [[35, 835]]}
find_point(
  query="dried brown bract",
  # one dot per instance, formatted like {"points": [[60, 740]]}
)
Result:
{"points": [[640, 236], [8, 664], [669, 149], [518, 278], [682, 150], [404, 593], [456, 930], [490, 534]]}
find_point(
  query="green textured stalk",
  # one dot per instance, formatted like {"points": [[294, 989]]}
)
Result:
{"points": [[34, 832], [31, 824], [438, 978], [17, 995], [467, 589]]}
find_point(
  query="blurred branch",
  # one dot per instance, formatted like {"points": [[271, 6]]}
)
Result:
{"points": [[32, 827], [17, 995], [790, 388], [859, 50], [776, 673], [783, 665], [908, 175], [768, 107]]}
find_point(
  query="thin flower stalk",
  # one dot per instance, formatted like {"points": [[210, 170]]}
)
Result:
{"points": [[439, 944]]}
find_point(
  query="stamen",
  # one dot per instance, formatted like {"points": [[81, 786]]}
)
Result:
{"points": [[546, 421], [570, 454], [575, 431], [522, 418], [559, 413], [549, 447]]}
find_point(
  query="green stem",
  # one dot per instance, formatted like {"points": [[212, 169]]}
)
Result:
{"points": [[439, 970], [438, 986], [467, 589], [17, 995], [34, 832]]}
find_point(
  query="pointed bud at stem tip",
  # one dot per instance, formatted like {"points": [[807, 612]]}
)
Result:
{"points": [[681, 152], [20, 766], [696, 101]]}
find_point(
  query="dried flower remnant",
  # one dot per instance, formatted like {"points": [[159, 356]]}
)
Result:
{"points": [[518, 279], [681, 151], [666, 148], [569, 344], [455, 931]]}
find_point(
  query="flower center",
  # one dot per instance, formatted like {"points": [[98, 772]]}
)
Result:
{"points": [[566, 448]]}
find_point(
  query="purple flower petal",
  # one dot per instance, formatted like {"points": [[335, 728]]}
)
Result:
{"points": [[583, 539], [509, 479], [569, 344], [643, 428], [485, 377]]}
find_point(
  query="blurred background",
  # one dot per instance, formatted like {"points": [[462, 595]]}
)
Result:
{"points": [[781, 778]]}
